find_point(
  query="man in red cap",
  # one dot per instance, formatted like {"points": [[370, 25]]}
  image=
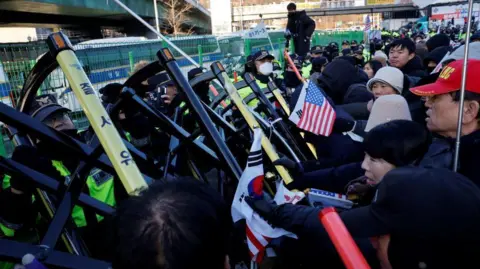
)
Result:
{"points": [[443, 102]]}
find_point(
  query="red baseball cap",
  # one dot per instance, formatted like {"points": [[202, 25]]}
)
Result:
{"points": [[450, 79]]}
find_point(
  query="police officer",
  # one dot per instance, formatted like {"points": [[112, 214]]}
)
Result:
{"points": [[16, 208], [315, 52], [345, 44], [354, 45], [260, 64], [292, 82], [331, 51], [359, 58]]}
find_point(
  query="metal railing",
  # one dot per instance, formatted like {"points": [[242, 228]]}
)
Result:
{"points": [[110, 62]]}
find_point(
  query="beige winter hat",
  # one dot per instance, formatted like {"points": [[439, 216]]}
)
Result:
{"points": [[387, 108], [381, 57]]}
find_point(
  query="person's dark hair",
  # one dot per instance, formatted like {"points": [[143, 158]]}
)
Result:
{"points": [[291, 7], [436, 41], [375, 65], [404, 43], [399, 142], [173, 225]]}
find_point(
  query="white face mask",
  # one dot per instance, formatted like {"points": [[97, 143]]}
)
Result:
{"points": [[265, 69]]}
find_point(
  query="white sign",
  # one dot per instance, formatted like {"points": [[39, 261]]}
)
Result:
{"points": [[3, 77], [221, 14], [456, 12], [259, 31]]}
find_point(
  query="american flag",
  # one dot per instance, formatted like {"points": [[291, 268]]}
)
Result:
{"points": [[318, 115], [367, 23]]}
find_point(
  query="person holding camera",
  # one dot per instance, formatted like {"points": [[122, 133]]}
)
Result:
{"points": [[300, 27]]}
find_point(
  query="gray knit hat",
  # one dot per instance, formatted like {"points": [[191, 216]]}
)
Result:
{"points": [[387, 108], [388, 75]]}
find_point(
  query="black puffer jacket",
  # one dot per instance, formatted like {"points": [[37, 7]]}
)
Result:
{"points": [[414, 68], [337, 79]]}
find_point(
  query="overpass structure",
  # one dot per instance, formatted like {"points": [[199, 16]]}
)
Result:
{"points": [[91, 14], [252, 13]]}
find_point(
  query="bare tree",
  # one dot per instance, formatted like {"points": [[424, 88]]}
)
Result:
{"points": [[176, 16]]}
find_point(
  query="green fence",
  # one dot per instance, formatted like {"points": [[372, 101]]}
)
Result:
{"points": [[107, 62]]}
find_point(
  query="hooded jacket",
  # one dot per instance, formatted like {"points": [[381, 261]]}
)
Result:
{"points": [[337, 84], [436, 55]]}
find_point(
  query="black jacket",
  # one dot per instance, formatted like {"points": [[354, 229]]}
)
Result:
{"points": [[440, 231], [333, 179], [441, 155], [302, 27], [414, 68], [345, 83]]}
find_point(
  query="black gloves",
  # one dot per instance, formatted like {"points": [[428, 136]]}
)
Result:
{"points": [[295, 169], [267, 210], [360, 191], [342, 125]]}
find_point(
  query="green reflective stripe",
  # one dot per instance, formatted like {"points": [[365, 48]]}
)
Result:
{"points": [[306, 71], [129, 137], [7, 231], [7, 265], [6, 182], [182, 104], [247, 91], [366, 53], [103, 192], [61, 169]]}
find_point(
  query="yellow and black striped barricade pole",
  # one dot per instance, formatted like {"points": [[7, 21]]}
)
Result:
{"points": [[222, 76], [272, 87], [109, 137]]}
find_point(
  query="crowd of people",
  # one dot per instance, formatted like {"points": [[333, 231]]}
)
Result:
{"points": [[392, 149]]}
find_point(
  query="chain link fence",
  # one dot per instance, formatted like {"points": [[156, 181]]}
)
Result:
{"points": [[113, 60]]}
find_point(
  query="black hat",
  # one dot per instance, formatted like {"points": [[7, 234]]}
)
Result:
{"points": [[319, 61], [44, 106], [317, 49], [112, 89], [297, 60], [420, 208], [436, 41], [346, 42], [354, 42], [194, 72], [333, 44], [161, 79], [262, 54]]}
